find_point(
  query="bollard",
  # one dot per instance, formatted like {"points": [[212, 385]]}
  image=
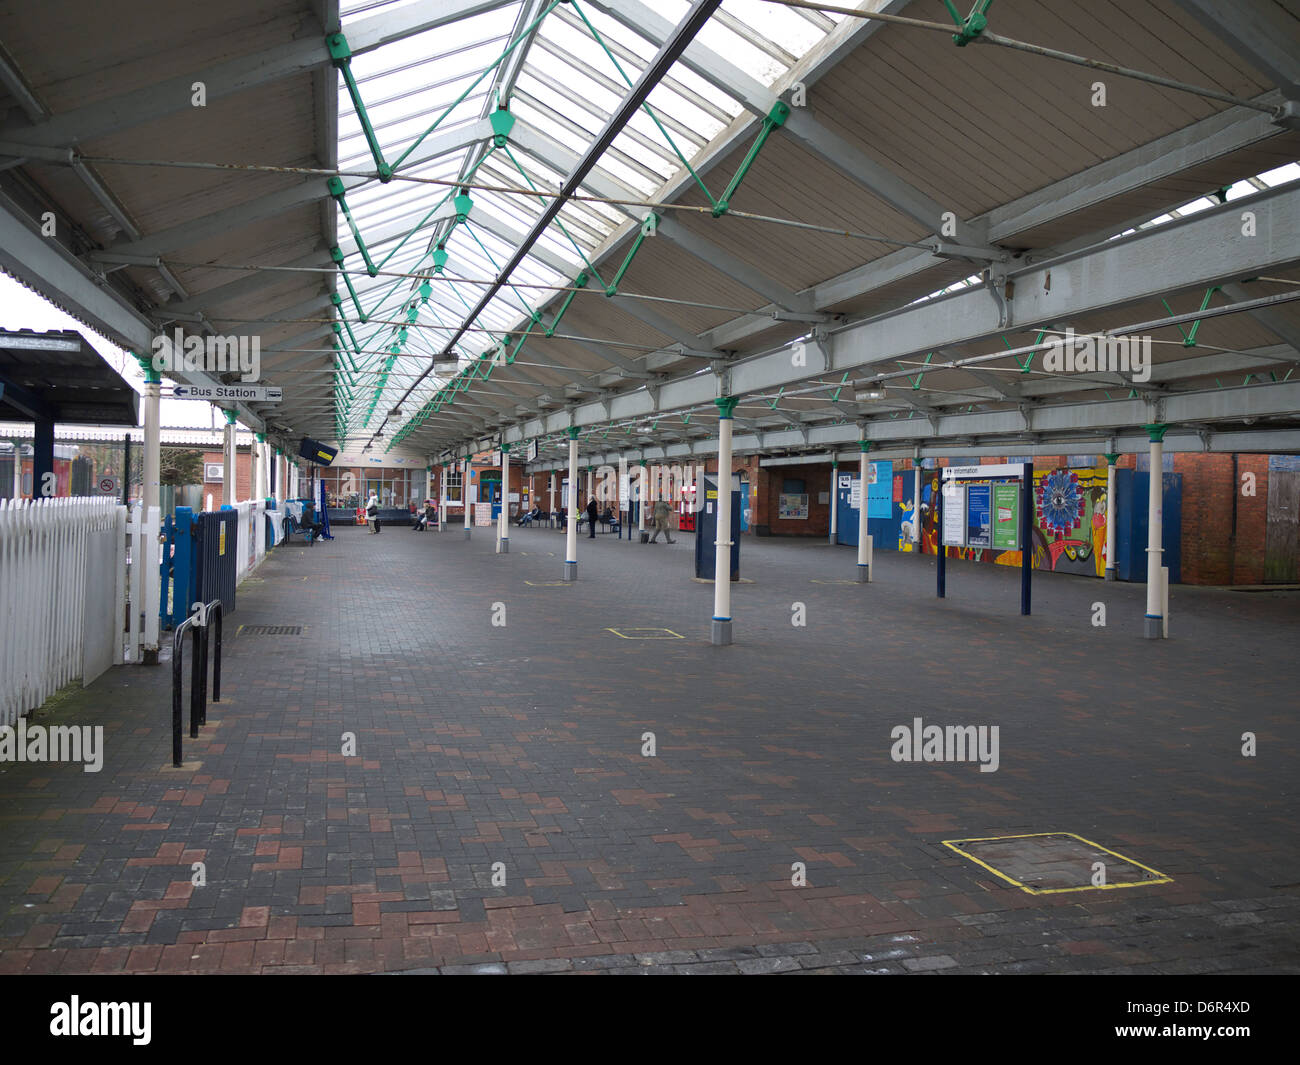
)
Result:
{"points": [[196, 679]]}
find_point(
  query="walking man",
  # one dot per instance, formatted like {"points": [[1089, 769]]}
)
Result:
{"points": [[661, 515]]}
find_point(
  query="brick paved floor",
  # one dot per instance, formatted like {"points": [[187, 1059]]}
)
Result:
{"points": [[479, 744]]}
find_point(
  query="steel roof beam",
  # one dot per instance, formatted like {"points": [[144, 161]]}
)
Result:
{"points": [[800, 125], [305, 53], [550, 152], [1263, 33], [1193, 253]]}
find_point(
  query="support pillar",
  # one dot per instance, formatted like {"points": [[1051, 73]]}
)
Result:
{"points": [[503, 525], [227, 461], [916, 504], [864, 541], [640, 502], [720, 634], [151, 491], [464, 495], [43, 483], [835, 499], [1112, 526], [1154, 622], [550, 508], [18, 468], [571, 524], [260, 478]]}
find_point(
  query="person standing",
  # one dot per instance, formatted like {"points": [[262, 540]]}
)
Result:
{"points": [[592, 511], [372, 512], [661, 514]]}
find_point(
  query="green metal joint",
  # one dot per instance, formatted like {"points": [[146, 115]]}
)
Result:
{"points": [[726, 406], [463, 204], [505, 449], [573, 432], [260, 437], [972, 25], [502, 123], [151, 376], [864, 446], [1156, 431], [440, 256], [230, 416], [1112, 458], [337, 45]]}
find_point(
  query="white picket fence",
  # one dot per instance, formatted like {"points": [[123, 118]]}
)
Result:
{"points": [[43, 594], [46, 582]]}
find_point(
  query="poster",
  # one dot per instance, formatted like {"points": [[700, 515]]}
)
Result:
{"points": [[483, 515], [793, 507], [1006, 517], [954, 515], [979, 525], [855, 493]]}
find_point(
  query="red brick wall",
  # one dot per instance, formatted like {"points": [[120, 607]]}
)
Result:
{"points": [[816, 478], [243, 476]]}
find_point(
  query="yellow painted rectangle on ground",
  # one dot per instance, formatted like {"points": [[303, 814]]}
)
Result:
{"points": [[1053, 854], [647, 634]]}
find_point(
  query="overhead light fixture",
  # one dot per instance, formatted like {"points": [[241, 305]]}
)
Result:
{"points": [[869, 395]]}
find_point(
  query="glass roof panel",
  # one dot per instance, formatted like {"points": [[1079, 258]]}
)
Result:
{"points": [[563, 81]]}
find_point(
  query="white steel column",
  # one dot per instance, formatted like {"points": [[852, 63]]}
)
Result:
{"points": [[835, 469], [442, 497], [1154, 622], [151, 511], [916, 503], [152, 440], [551, 507], [1112, 526], [864, 541], [503, 526], [720, 629], [464, 496], [641, 494], [227, 460], [571, 526]]}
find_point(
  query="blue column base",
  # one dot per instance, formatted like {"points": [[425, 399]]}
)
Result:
{"points": [[1111, 574], [570, 571], [864, 572], [505, 545], [720, 632], [1152, 628], [467, 532]]}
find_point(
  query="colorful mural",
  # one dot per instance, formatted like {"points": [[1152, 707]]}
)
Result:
{"points": [[1069, 533]]}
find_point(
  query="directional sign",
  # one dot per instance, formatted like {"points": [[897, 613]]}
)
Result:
{"points": [[214, 393]]}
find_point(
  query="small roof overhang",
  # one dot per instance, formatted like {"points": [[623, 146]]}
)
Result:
{"points": [[58, 375]]}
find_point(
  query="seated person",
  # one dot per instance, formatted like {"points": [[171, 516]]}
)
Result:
{"points": [[608, 517], [531, 516], [309, 522]]}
